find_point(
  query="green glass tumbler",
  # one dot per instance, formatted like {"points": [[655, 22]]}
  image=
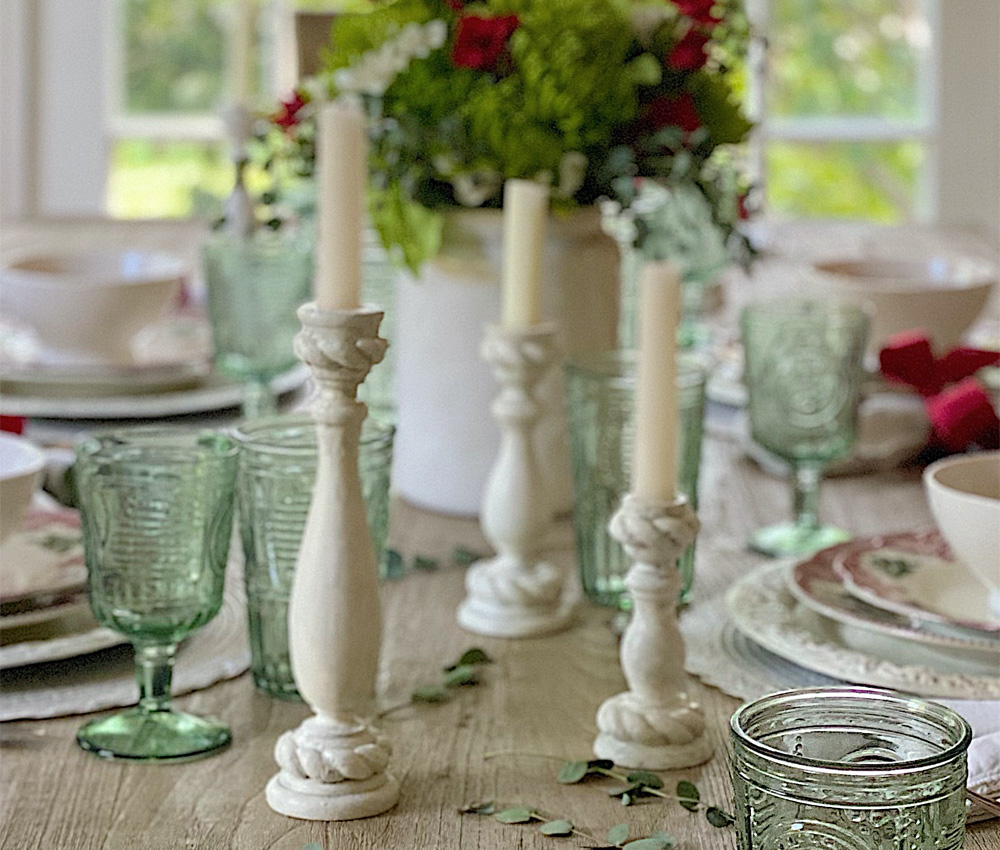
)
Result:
{"points": [[157, 511], [600, 391], [278, 458], [849, 769], [804, 370], [255, 286]]}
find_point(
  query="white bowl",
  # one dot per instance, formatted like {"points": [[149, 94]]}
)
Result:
{"points": [[89, 305], [964, 495], [941, 296], [21, 465]]}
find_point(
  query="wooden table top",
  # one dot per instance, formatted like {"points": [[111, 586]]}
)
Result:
{"points": [[538, 698]]}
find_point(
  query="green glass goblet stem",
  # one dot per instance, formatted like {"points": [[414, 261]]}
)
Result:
{"points": [[803, 373], [157, 509]]}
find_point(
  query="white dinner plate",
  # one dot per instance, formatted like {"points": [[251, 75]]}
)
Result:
{"points": [[69, 636], [762, 607], [217, 392]]}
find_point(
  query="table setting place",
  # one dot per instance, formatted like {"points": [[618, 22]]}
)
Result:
{"points": [[377, 522]]}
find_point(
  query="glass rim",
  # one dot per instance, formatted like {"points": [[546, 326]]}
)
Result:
{"points": [[897, 699], [108, 441], [252, 435], [793, 307], [692, 370]]}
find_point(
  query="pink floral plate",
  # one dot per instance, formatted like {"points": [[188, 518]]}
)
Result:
{"points": [[815, 584], [42, 569], [913, 574]]}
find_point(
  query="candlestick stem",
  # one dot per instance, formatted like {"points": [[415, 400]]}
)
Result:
{"points": [[516, 593], [654, 725], [333, 765]]}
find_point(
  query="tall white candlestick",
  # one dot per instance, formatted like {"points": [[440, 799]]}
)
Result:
{"points": [[341, 163], [654, 462], [243, 50], [525, 212]]}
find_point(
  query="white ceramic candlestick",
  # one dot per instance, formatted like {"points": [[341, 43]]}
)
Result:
{"points": [[237, 211], [516, 594], [654, 725], [333, 765]]}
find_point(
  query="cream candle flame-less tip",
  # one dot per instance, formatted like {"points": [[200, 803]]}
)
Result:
{"points": [[654, 463], [525, 214], [341, 165]]}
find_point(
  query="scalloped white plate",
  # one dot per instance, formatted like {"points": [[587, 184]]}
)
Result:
{"points": [[762, 607]]}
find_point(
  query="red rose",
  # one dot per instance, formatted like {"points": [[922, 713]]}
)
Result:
{"points": [[287, 115], [670, 112], [480, 41], [689, 53], [698, 10]]}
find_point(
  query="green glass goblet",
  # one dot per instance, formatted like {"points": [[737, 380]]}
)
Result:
{"points": [[157, 511], [255, 285], [803, 374]]}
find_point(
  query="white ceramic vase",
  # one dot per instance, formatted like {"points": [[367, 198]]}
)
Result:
{"points": [[447, 439]]}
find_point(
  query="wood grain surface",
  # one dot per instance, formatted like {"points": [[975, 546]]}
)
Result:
{"points": [[537, 699]]}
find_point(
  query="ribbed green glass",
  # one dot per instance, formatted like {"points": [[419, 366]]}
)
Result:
{"points": [[804, 368], [849, 769], [157, 513], [277, 469], [600, 392], [255, 286]]}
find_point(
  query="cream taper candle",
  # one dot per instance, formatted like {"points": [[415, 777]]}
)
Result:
{"points": [[341, 164], [525, 213], [654, 460], [243, 49]]}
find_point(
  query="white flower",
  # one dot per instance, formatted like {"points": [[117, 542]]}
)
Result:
{"points": [[436, 32], [475, 188], [375, 70]]}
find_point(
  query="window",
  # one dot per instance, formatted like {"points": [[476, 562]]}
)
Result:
{"points": [[846, 107]]}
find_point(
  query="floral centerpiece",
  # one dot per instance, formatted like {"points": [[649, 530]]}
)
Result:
{"points": [[585, 95]]}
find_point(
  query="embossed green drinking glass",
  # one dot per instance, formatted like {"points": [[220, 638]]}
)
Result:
{"points": [[157, 511], [255, 286], [803, 373], [849, 769]]}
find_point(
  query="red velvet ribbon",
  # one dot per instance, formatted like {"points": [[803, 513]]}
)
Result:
{"points": [[958, 407], [12, 424]]}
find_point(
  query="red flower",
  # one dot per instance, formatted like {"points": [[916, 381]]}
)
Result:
{"points": [[479, 42], [670, 112], [698, 10], [287, 115], [689, 53]]}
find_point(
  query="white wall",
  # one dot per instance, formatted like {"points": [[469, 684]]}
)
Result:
{"points": [[968, 147], [54, 151]]}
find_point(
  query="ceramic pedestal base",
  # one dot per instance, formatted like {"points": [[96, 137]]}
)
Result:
{"points": [[653, 725], [331, 771], [509, 599]]}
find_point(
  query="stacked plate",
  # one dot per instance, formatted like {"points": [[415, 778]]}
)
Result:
{"points": [[893, 611], [44, 613]]}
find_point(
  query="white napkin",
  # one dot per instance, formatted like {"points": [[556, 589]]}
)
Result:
{"points": [[984, 753]]}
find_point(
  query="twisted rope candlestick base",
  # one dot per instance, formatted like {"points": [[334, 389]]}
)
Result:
{"points": [[654, 725]]}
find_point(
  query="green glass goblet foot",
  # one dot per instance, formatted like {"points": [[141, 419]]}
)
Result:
{"points": [[786, 539], [161, 736]]}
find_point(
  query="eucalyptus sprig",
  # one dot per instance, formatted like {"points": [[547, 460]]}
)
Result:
{"points": [[642, 783], [555, 827], [461, 673]]}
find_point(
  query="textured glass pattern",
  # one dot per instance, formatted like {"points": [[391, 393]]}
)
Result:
{"points": [[849, 769], [601, 397], [157, 514], [277, 470], [255, 286]]}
